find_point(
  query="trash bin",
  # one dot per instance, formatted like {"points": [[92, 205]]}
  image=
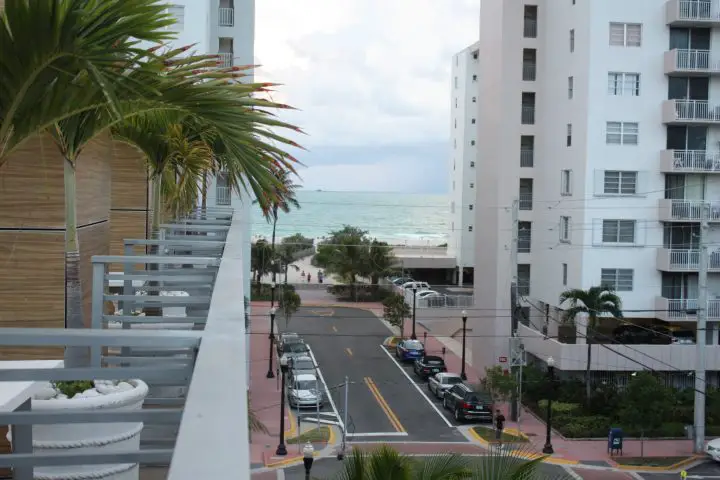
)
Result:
{"points": [[690, 431], [615, 441]]}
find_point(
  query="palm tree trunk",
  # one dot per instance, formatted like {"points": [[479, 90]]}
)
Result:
{"points": [[203, 203], [272, 244], [155, 311], [588, 391], [74, 356]]}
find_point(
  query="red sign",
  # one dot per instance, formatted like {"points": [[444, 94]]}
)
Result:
{"points": [[502, 359]]}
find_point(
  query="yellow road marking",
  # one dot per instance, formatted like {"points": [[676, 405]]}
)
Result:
{"points": [[334, 329], [349, 352], [384, 405]]}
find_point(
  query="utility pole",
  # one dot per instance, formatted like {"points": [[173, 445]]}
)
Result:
{"points": [[700, 340], [514, 304], [517, 362], [341, 455]]}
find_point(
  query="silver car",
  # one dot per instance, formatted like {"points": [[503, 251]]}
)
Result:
{"points": [[304, 391], [294, 350], [438, 384], [302, 365]]}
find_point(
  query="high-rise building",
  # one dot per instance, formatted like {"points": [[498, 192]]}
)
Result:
{"points": [[463, 159], [600, 122]]}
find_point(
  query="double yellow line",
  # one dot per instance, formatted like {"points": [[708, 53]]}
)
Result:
{"points": [[384, 405]]}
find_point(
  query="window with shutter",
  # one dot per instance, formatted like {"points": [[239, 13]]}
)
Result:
{"points": [[618, 231], [620, 182]]}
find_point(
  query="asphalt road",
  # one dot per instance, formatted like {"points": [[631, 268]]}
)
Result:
{"points": [[383, 404], [708, 470]]}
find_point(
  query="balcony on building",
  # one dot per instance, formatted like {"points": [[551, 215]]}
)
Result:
{"points": [[674, 210], [693, 13], [691, 112], [685, 260], [690, 62], [527, 115], [189, 419], [529, 64], [689, 161], [685, 309], [226, 13], [226, 52], [526, 194], [527, 151], [530, 21]]}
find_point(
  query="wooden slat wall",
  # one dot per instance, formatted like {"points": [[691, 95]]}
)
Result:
{"points": [[94, 184]]}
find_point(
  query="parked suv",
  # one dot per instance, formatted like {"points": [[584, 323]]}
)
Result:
{"points": [[468, 404]]}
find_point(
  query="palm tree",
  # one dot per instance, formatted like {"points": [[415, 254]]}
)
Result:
{"points": [[594, 302], [281, 198], [381, 260], [385, 463]]}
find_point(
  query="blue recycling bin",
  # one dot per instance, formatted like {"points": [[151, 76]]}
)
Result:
{"points": [[615, 441]]}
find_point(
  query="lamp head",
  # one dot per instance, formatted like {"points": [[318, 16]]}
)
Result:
{"points": [[273, 285], [464, 314], [550, 362], [308, 450], [284, 361], [273, 311]]}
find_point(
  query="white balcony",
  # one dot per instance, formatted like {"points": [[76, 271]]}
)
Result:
{"points": [[685, 260], [690, 62], [223, 196], [617, 358], [526, 201], [226, 17], [688, 13], [684, 309], [690, 112], [529, 71], [689, 161], [687, 210], [526, 157], [527, 116], [225, 59]]}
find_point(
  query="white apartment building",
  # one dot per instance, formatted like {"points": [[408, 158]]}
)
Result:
{"points": [[225, 27], [463, 158], [603, 119]]}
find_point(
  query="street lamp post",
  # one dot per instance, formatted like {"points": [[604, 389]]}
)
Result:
{"points": [[281, 448], [272, 311], [548, 448], [413, 336], [463, 375], [273, 285], [270, 373], [308, 458]]}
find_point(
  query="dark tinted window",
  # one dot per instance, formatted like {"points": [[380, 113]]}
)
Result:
{"points": [[296, 348], [452, 380], [413, 345], [303, 365], [433, 361]]}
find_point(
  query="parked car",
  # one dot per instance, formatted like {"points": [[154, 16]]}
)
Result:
{"points": [[467, 404], [431, 298], [428, 366], [409, 350], [397, 281], [439, 383], [292, 350], [287, 338], [416, 285], [302, 365], [425, 293], [305, 391]]}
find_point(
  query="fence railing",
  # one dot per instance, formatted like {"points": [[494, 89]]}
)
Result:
{"points": [[682, 308], [223, 196], [528, 115], [529, 71], [698, 110], [527, 157], [530, 28], [693, 59], [226, 17], [696, 160], [697, 10], [693, 209], [525, 201], [225, 60], [445, 301]]}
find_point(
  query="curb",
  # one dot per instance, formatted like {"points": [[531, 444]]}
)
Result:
{"points": [[525, 455], [297, 459], [669, 468]]}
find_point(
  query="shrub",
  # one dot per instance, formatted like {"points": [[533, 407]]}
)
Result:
{"points": [[263, 292], [586, 426], [561, 412]]}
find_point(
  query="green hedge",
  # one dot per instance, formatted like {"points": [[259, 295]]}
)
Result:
{"points": [[364, 293], [263, 292]]}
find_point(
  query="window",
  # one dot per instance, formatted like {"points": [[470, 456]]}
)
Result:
{"points": [[565, 229], [472, 142], [622, 133], [474, 77], [470, 207], [573, 2], [456, 103], [571, 81], [472, 121], [620, 182], [524, 237], [454, 142], [564, 269], [523, 279], [472, 185], [472, 164], [624, 84], [178, 13], [617, 279], [566, 182], [474, 99], [470, 228], [452, 207], [618, 231], [572, 40], [625, 34], [455, 123], [568, 140], [456, 82]]}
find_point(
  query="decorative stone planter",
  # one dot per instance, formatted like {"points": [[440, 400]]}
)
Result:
{"points": [[90, 437]]}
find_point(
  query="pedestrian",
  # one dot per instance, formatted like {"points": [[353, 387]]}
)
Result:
{"points": [[499, 426], [303, 274], [309, 278]]}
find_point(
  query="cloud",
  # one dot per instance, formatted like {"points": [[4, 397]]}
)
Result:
{"points": [[365, 73]]}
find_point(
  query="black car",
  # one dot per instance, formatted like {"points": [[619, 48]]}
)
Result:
{"points": [[428, 366], [468, 404]]}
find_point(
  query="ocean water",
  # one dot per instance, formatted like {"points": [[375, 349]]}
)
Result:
{"points": [[396, 218]]}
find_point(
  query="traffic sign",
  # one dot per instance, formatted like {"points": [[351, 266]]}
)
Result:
{"points": [[502, 359]]}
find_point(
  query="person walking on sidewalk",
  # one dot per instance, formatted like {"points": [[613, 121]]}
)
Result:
{"points": [[499, 426]]}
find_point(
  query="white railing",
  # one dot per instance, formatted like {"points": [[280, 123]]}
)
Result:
{"points": [[530, 28], [528, 115], [225, 60], [529, 70], [684, 307], [696, 160], [697, 110], [418, 250], [693, 209], [526, 201], [684, 259], [445, 301], [693, 10], [692, 59], [223, 196], [226, 17], [526, 157]]}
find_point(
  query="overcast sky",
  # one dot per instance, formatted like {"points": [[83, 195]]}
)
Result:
{"points": [[371, 79]]}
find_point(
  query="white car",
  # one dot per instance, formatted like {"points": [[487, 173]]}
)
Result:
{"points": [[416, 285], [305, 392], [425, 293], [439, 383]]}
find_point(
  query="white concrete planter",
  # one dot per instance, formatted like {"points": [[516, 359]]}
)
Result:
{"points": [[90, 437]]}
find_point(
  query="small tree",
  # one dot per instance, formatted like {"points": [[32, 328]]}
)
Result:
{"points": [[289, 304], [646, 404], [501, 386], [395, 311]]}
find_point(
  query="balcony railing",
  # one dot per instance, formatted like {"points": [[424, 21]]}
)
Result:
{"points": [[689, 210], [686, 260], [223, 196], [525, 201], [691, 12], [445, 301], [530, 28], [225, 60], [685, 308], [523, 287], [690, 111], [174, 357], [689, 161], [529, 71], [690, 61], [526, 157], [528, 115], [226, 17]]}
